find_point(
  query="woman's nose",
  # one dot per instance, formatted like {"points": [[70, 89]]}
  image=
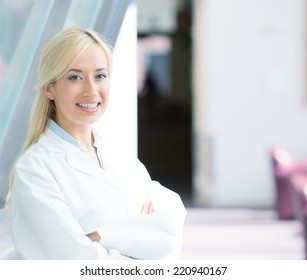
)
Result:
{"points": [[90, 89]]}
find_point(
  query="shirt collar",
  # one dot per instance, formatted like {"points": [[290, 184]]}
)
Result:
{"points": [[63, 134], [59, 131]]}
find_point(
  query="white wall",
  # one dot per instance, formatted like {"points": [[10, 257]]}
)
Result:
{"points": [[119, 123], [249, 85]]}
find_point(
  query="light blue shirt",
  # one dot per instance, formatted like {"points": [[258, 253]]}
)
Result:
{"points": [[59, 131]]}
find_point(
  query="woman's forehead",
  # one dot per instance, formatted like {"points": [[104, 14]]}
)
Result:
{"points": [[92, 57]]}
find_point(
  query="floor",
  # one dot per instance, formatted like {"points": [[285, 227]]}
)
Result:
{"points": [[221, 234], [241, 235]]}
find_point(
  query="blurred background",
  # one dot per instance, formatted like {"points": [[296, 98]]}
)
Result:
{"points": [[204, 92]]}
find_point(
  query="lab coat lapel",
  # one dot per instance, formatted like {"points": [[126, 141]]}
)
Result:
{"points": [[80, 161], [75, 158]]}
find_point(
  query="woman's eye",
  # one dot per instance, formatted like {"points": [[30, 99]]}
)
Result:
{"points": [[74, 77], [101, 76]]}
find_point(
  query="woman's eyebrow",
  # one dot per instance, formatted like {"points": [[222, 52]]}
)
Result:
{"points": [[74, 70], [80, 71], [101, 69]]}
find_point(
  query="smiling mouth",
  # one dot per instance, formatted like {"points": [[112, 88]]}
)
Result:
{"points": [[89, 106]]}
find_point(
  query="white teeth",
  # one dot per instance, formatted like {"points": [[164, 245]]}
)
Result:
{"points": [[88, 105]]}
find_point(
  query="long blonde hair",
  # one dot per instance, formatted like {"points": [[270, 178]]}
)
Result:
{"points": [[55, 60]]}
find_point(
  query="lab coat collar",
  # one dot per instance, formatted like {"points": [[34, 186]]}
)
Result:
{"points": [[62, 133], [97, 138], [52, 142], [75, 157]]}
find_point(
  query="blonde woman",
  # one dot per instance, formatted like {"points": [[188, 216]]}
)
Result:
{"points": [[73, 196]]}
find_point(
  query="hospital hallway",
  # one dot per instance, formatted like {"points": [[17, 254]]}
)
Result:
{"points": [[227, 234], [165, 147]]}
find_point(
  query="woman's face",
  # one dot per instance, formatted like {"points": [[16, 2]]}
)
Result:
{"points": [[81, 95]]}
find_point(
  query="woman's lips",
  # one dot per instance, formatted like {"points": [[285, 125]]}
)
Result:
{"points": [[88, 106]]}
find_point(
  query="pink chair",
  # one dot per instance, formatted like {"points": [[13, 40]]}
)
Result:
{"points": [[284, 168], [299, 188]]}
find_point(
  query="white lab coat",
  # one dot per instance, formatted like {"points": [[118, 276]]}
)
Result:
{"points": [[59, 195]]}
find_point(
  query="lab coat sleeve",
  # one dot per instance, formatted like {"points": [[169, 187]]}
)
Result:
{"points": [[154, 236], [42, 224]]}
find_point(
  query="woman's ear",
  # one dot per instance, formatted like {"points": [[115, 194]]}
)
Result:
{"points": [[48, 89]]}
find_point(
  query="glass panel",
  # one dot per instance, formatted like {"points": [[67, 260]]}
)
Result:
{"points": [[13, 17], [83, 13], [22, 25], [17, 52]]}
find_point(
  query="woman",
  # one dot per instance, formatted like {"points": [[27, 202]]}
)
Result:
{"points": [[74, 197]]}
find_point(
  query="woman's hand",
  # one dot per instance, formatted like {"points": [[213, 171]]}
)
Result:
{"points": [[147, 208], [94, 236]]}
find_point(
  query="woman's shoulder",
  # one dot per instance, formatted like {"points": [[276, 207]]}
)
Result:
{"points": [[47, 144]]}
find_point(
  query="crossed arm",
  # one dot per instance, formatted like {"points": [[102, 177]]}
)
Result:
{"points": [[146, 209]]}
